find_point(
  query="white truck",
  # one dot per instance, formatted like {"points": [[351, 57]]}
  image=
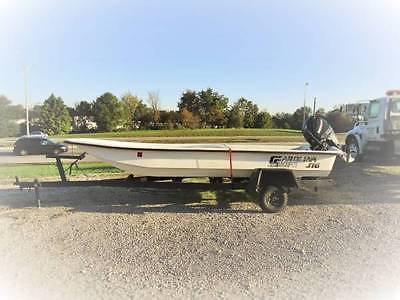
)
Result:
{"points": [[379, 129]]}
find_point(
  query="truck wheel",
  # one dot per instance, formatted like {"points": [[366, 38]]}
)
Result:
{"points": [[272, 199], [353, 148]]}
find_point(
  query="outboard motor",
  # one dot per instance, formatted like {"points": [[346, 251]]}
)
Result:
{"points": [[319, 134]]}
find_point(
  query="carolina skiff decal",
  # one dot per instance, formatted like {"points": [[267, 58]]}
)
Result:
{"points": [[292, 161]]}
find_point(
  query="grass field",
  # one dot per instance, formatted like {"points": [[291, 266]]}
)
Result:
{"points": [[50, 170], [220, 132]]}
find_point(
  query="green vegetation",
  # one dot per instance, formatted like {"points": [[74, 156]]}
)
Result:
{"points": [[107, 111], [54, 116], [207, 132], [8, 114], [214, 113], [32, 171]]}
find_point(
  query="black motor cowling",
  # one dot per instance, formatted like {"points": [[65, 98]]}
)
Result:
{"points": [[319, 134]]}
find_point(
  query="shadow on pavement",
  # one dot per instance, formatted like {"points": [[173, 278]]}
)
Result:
{"points": [[123, 200]]}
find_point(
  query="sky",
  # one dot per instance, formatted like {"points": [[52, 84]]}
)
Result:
{"points": [[262, 50]]}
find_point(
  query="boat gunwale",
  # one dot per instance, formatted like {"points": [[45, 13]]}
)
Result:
{"points": [[329, 152]]}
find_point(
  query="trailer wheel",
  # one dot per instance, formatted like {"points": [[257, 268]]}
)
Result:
{"points": [[272, 199]]}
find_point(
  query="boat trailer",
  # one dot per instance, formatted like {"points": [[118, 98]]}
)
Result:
{"points": [[268, 187]]}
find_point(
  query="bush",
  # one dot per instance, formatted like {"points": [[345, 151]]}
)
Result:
{"points": [[339, 121], [8, 128]]}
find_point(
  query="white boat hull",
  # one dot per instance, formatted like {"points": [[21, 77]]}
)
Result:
{"points": [[214, 160]]}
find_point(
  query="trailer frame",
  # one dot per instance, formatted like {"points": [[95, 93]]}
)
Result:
{"points": [[269, 187]]}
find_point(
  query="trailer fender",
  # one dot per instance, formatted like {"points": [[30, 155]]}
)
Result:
{"points": [[262, 178]]}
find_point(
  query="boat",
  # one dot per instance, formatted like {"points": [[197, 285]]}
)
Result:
{"points": [[208, 160], [266, 172]]}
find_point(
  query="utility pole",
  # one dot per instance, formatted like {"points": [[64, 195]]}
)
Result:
{"points": [[26, 99], [304, 104], [314, 107]]}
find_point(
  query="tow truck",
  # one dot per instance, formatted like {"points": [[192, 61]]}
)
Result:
{"points": [[379, 128]]}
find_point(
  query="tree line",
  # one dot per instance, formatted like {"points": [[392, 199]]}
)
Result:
{"points": [[196, 109]]}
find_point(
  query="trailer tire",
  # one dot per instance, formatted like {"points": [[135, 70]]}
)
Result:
{"points": [[272, 199]]}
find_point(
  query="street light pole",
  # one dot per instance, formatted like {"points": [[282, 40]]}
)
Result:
{"points": [[26, 99], [304, 104], [314, 106]]}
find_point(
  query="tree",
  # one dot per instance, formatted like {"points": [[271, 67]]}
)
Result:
{"points": [[54, 116], [217, 117], [71, 111], [235, 117], [34, 119], [209, 106], [244, 112], [8, 116], [339, 121], [4, 102], [169, 119], [143, 116], [281, 120], [212, 107], [263, 120], [296, 121], [84, 116], [15, 112], [35, 112], [250, 113], [107, 112], [155, 104], [188, 119], [130, 104], [191, 102]]}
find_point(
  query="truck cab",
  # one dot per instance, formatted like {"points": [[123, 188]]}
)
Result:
{"points": [[380, 127]]}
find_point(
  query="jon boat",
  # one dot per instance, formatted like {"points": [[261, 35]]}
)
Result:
{"points": [[266, 172], [208, 160]]}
